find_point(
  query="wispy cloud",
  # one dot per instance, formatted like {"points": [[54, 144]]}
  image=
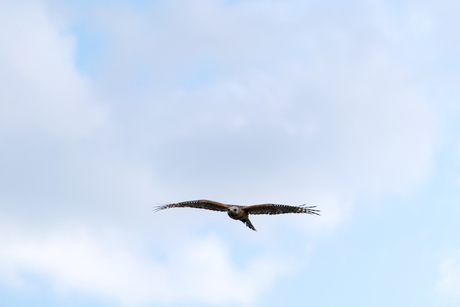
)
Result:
{"points": [[449, 282]]}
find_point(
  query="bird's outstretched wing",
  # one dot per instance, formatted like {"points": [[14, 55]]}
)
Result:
{"points": [[280, 209], [200, 204]]}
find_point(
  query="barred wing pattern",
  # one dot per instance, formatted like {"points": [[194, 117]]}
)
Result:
{"points": [[199, 204], [241, 212], [280, 209]]}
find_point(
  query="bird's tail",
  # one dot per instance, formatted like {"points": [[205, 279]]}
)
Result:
{"points": [[249, 224]]}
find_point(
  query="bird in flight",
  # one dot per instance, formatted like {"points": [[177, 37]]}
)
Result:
{"points": [[241, 213]]}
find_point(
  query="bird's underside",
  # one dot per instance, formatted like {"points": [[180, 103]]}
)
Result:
{"points": [[241, 212]]}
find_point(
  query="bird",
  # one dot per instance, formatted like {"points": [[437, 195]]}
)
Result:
{"points": [[241, 213]]}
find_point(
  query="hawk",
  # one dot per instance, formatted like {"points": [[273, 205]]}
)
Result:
{"points": [[241, 213]]}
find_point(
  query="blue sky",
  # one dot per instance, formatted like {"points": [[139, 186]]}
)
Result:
{"points": [[108, 108]]}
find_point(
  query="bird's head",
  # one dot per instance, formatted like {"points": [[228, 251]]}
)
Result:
{"points": [[234, 212]]}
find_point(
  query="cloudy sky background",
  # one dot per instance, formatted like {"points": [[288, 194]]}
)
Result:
{"points": [[108, 108]]}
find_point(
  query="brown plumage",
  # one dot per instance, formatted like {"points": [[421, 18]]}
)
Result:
{"points": [[241, 212]]}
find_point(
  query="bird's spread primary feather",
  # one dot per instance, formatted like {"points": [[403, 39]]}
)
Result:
{"points": [[241, 212]]}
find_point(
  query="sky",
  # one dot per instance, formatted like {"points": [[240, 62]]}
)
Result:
{"points": [[109, 108]]}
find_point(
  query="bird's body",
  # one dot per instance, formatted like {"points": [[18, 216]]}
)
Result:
{"points": [[241, 213]]}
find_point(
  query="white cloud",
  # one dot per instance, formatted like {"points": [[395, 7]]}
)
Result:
{"points": [[76, 259], [40, 86], [299, 105], [449, 282], [319, 98]]}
